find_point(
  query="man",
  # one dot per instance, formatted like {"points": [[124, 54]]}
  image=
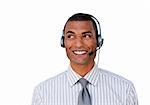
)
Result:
{"points": [[83, 83]]}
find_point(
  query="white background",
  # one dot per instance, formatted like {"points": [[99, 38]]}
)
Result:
{"points": [[30, 52]]}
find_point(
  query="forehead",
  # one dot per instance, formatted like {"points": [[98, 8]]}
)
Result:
{"points": [[79, 25]]}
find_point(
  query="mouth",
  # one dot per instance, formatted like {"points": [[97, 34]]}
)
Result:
{"points": [[79, 52]]}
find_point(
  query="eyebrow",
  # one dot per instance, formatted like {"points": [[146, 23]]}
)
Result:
{"points": [[69, 32], [86, 32]]}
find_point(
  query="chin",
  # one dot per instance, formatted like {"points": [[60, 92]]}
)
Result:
{"points": [[83, 62]]}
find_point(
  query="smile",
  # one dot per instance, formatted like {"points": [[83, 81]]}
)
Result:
{"points": [[79, 52]]}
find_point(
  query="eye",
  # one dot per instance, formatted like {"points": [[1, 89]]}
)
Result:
{"points": [[87, 36], [69, 36]]}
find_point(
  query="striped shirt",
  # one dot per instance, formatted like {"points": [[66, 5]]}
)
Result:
{"points": [[105, 88]]}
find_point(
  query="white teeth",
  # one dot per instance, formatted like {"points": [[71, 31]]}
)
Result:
{"points": [[79, 52]]}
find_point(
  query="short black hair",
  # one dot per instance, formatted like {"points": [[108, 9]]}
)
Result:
{"points": [[83, 17]]}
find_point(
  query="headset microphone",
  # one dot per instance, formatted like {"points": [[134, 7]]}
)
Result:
{"points": [[91, 53]]}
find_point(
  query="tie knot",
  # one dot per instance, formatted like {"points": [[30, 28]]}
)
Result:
{"points": [[83, 82]]}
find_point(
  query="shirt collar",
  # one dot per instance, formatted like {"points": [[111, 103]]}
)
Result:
{"points": [[91, 76]]}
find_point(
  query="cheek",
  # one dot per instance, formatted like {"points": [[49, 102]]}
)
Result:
{"points": [[68, 44], [91, 44], [68, 51]]}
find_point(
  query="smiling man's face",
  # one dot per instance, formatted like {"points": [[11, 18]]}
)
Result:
{"points": [[80, 41]]}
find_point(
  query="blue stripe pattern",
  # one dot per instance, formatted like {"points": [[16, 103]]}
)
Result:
{"points": [[105, 88]]}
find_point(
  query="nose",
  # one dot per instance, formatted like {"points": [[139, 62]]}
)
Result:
{"points": [[79, 42]]}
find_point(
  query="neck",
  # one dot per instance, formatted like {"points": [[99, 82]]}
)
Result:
{"points": [[82, 70]]}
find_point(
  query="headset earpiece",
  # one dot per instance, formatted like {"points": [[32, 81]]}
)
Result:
{"points": [[99, 41], [62, 41]]}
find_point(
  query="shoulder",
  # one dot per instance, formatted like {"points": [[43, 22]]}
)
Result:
{"points": [[114, 78], [53, 81]]}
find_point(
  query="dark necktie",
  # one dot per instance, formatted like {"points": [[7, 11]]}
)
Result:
{"points": [[84, 96]]}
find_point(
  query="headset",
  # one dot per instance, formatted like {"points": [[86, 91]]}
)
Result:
{"points": [[99, 38]]}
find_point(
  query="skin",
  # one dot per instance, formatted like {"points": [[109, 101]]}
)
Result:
{"points": [[80, 41]]}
